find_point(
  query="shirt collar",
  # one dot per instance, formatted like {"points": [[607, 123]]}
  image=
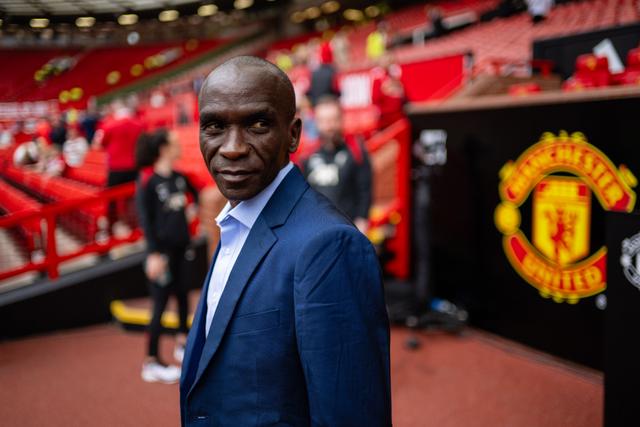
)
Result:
{"points": [[247, 211]]}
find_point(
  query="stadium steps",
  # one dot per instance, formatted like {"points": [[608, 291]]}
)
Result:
{"points": [[13, 256]]}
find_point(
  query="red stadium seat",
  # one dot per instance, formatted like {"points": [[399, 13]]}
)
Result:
{"points": [[93, 170], [631, 75], [56, 189], [593, 69]]}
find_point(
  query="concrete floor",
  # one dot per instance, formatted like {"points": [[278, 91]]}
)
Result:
{"points": [[91, 377]]}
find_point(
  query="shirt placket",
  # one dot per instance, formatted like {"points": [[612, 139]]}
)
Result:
{"points": [[227, 238]]}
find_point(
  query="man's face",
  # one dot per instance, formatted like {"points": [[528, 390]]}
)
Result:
{"points": [[329, 122], [245, 130]]}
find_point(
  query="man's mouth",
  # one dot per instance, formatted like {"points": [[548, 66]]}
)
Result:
{"points": [[235, 175]]}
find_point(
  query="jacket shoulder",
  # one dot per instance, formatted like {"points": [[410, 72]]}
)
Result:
{"points": [[318, 213]]}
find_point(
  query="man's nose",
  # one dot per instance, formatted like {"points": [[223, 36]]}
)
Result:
{"points": [[234, 146]]}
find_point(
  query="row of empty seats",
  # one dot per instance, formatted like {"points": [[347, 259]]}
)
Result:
{"points": [[93, 170], [82, 222], [96, 70], [408, 19], [593, 71], [511, 39]]}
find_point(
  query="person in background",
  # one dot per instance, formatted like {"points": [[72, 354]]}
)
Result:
{"points": [[58, 134], [387, 91], [20, 134], [51, 162], [283, 61], [118, 136], [6, 136], [26, 154], [324, 78], [340, 168], [75, 147], [539, 9], [183, 116], [340, 46], [161, 201], [300, 74], [89, 121], [43, 131], [435, 18], [377, 42]]}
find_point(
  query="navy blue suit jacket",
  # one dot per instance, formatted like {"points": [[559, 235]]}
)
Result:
{"points": [[300, 336]]}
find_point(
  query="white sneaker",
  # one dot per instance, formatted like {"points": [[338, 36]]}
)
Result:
{"points": [[178, 353], [153, 372]]}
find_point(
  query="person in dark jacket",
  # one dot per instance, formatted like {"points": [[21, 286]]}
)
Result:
{"points": [[291, 328], [324, 78], [340, 168], [161, 200]]}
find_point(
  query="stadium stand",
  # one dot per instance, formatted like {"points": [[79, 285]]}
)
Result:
{"points": [[403, 22], [496, 47], [509, 40], [93, 170], [87, 76]]}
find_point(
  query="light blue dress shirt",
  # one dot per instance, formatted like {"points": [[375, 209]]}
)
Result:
{"points": [[235, 225]]}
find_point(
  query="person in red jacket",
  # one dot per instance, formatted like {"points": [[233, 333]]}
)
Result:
{"points": [[118, 137], [387, 92], [120, 134]]}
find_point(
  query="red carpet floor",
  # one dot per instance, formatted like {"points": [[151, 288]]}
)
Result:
{"points": [[91, 377]]}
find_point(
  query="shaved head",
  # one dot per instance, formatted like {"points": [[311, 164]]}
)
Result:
{"points": [[235, 67]]}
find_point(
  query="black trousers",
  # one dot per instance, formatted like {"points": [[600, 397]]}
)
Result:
{"points": [[160, 296]]}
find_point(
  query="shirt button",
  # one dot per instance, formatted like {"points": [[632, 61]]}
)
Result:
{"points": [[227, 251]]}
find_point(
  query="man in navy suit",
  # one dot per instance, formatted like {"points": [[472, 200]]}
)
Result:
{"points": [[291, 328]]}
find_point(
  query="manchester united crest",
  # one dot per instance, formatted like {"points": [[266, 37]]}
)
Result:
{"points": [[561, 173]]}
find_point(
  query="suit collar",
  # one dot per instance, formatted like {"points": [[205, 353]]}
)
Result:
{"points": [[247, 211], [285, 198]]}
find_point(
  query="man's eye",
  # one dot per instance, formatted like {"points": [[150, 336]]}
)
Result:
{"points": [[214, 127], [260, 125]]}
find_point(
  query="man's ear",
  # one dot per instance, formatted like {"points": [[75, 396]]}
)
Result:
{"points": [[294, 132]]}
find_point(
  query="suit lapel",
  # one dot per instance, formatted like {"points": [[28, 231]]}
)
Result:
{"points": [[196, 336], [258, 243]]}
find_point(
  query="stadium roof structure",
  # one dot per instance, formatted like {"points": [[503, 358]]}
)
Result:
{"points": [[82, 7], [23, 12]]}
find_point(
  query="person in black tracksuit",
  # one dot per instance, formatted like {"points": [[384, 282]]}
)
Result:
{"points": [[340, 169], [161, 200]]}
